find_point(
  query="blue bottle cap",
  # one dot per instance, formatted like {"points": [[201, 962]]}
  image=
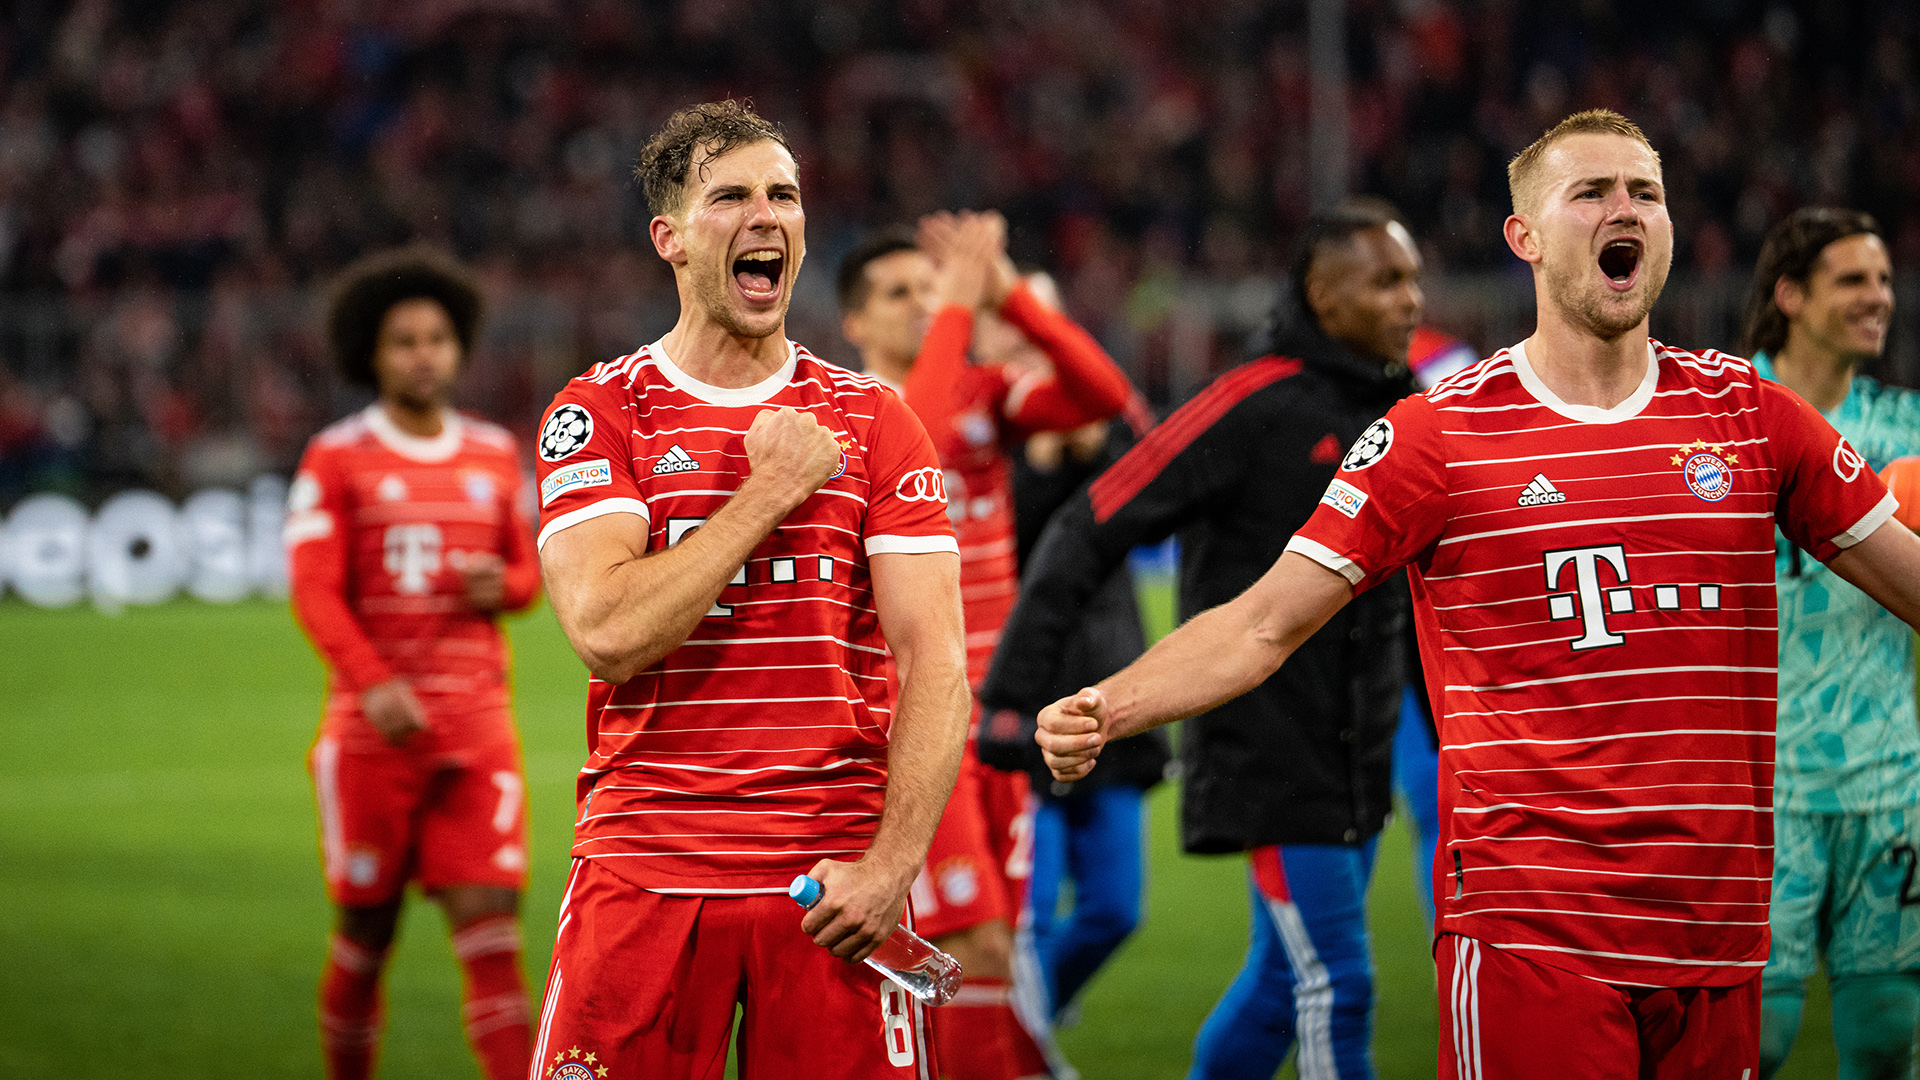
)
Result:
{"points": [[805, 891]]}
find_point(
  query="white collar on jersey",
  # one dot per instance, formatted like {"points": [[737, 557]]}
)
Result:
{"points": [[720, 395], [1587, 414], [413, 447]]}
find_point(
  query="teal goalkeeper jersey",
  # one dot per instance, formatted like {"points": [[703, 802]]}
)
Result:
{"points": [[1849, 738]]}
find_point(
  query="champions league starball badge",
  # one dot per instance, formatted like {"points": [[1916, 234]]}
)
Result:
{"points": [[1370, 447], [1707, 469], [566, 431]]}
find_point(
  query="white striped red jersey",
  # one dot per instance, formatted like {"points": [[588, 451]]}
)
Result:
{"points": [[973, 447], [1594, 598], [759, 746], [379, 524]]}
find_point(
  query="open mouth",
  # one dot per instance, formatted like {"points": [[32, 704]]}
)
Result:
{"points": [[758, 273], [1619, 259]]}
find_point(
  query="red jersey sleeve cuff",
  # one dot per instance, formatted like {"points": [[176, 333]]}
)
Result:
{"points": [[587, 513], [1863, 528], [364, 672], [1328, 558], [884, 544], [1021, 307]]}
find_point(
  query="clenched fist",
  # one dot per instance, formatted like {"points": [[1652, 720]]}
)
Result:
{"points": [[1071, 732], [791, 453]]}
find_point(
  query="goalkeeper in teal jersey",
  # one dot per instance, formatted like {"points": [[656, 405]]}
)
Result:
{"points": [[1847, 783]]}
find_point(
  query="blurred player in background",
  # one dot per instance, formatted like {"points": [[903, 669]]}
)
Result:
{"points": [[915, 307], [735, 535], [1846, 783], [1297, 774], [407, 535], [1588, 518], [1089, 838]]}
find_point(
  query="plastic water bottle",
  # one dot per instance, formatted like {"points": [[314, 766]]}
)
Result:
{"points": [[905, 957]]}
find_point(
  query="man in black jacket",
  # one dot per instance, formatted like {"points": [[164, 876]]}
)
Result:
{"points": [[1298, 772]]}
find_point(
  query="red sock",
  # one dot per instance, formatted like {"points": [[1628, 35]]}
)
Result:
{"points": [[974, 1033], [495, 996], [350, 1009]]}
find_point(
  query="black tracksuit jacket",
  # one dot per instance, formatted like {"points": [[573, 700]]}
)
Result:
{"points": [[1306, 757]]}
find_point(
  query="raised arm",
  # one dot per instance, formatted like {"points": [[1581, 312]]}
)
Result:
{"points": [[1217, 656], [918, 598], [1085, 384], [1886, 566], [623, 607], [962, 247]]}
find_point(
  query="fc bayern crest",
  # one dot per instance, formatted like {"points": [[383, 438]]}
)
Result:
{"points": [[566, 431], [846, 443], [1707, 469], [1370, 447]]}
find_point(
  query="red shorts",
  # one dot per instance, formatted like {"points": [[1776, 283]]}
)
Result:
{"points": [[1504, 1017], [388, 818], [644, 985], [981, 856]]}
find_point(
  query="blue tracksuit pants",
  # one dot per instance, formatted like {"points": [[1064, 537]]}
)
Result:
{"points": [[1308, 975], [1094, 839]]}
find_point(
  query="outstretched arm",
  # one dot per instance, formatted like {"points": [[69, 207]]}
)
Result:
{"points": [[1217, 656], [1886, 566], [623, 607], [918, 599]]}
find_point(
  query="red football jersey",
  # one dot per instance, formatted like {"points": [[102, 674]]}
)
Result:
{"points": [[379, 523], [759, 746], [975, 413], [1594, 596]]}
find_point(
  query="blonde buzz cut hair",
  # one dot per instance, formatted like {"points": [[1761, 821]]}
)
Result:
{"points": [[1523, 172]]}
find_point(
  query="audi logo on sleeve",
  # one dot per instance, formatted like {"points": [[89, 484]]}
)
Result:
{"points": [[922, 485], [1847, 462], [565, 432]]}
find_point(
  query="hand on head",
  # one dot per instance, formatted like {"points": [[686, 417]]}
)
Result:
{"points": [[1071, 733]]}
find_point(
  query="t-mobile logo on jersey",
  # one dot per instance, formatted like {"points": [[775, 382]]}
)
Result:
{"points": [[412, 553], [1591, 604], [1586, 584]]}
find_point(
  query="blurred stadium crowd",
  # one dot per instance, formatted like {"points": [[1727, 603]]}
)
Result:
{"points": [[178, 179]]}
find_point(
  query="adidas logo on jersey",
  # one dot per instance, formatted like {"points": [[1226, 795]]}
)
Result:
{"points": [[675, 460], [1541, 492]]}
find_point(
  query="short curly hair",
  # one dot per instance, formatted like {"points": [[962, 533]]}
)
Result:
{"points": [[368, 289], [692, 137]]}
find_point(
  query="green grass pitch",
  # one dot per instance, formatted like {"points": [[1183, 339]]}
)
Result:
{"points": [[161, 912]]}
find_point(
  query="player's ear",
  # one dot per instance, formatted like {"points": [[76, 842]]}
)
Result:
{"points": [[1789, 296], [665, 233], [854, 328], [1520, 238]]}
